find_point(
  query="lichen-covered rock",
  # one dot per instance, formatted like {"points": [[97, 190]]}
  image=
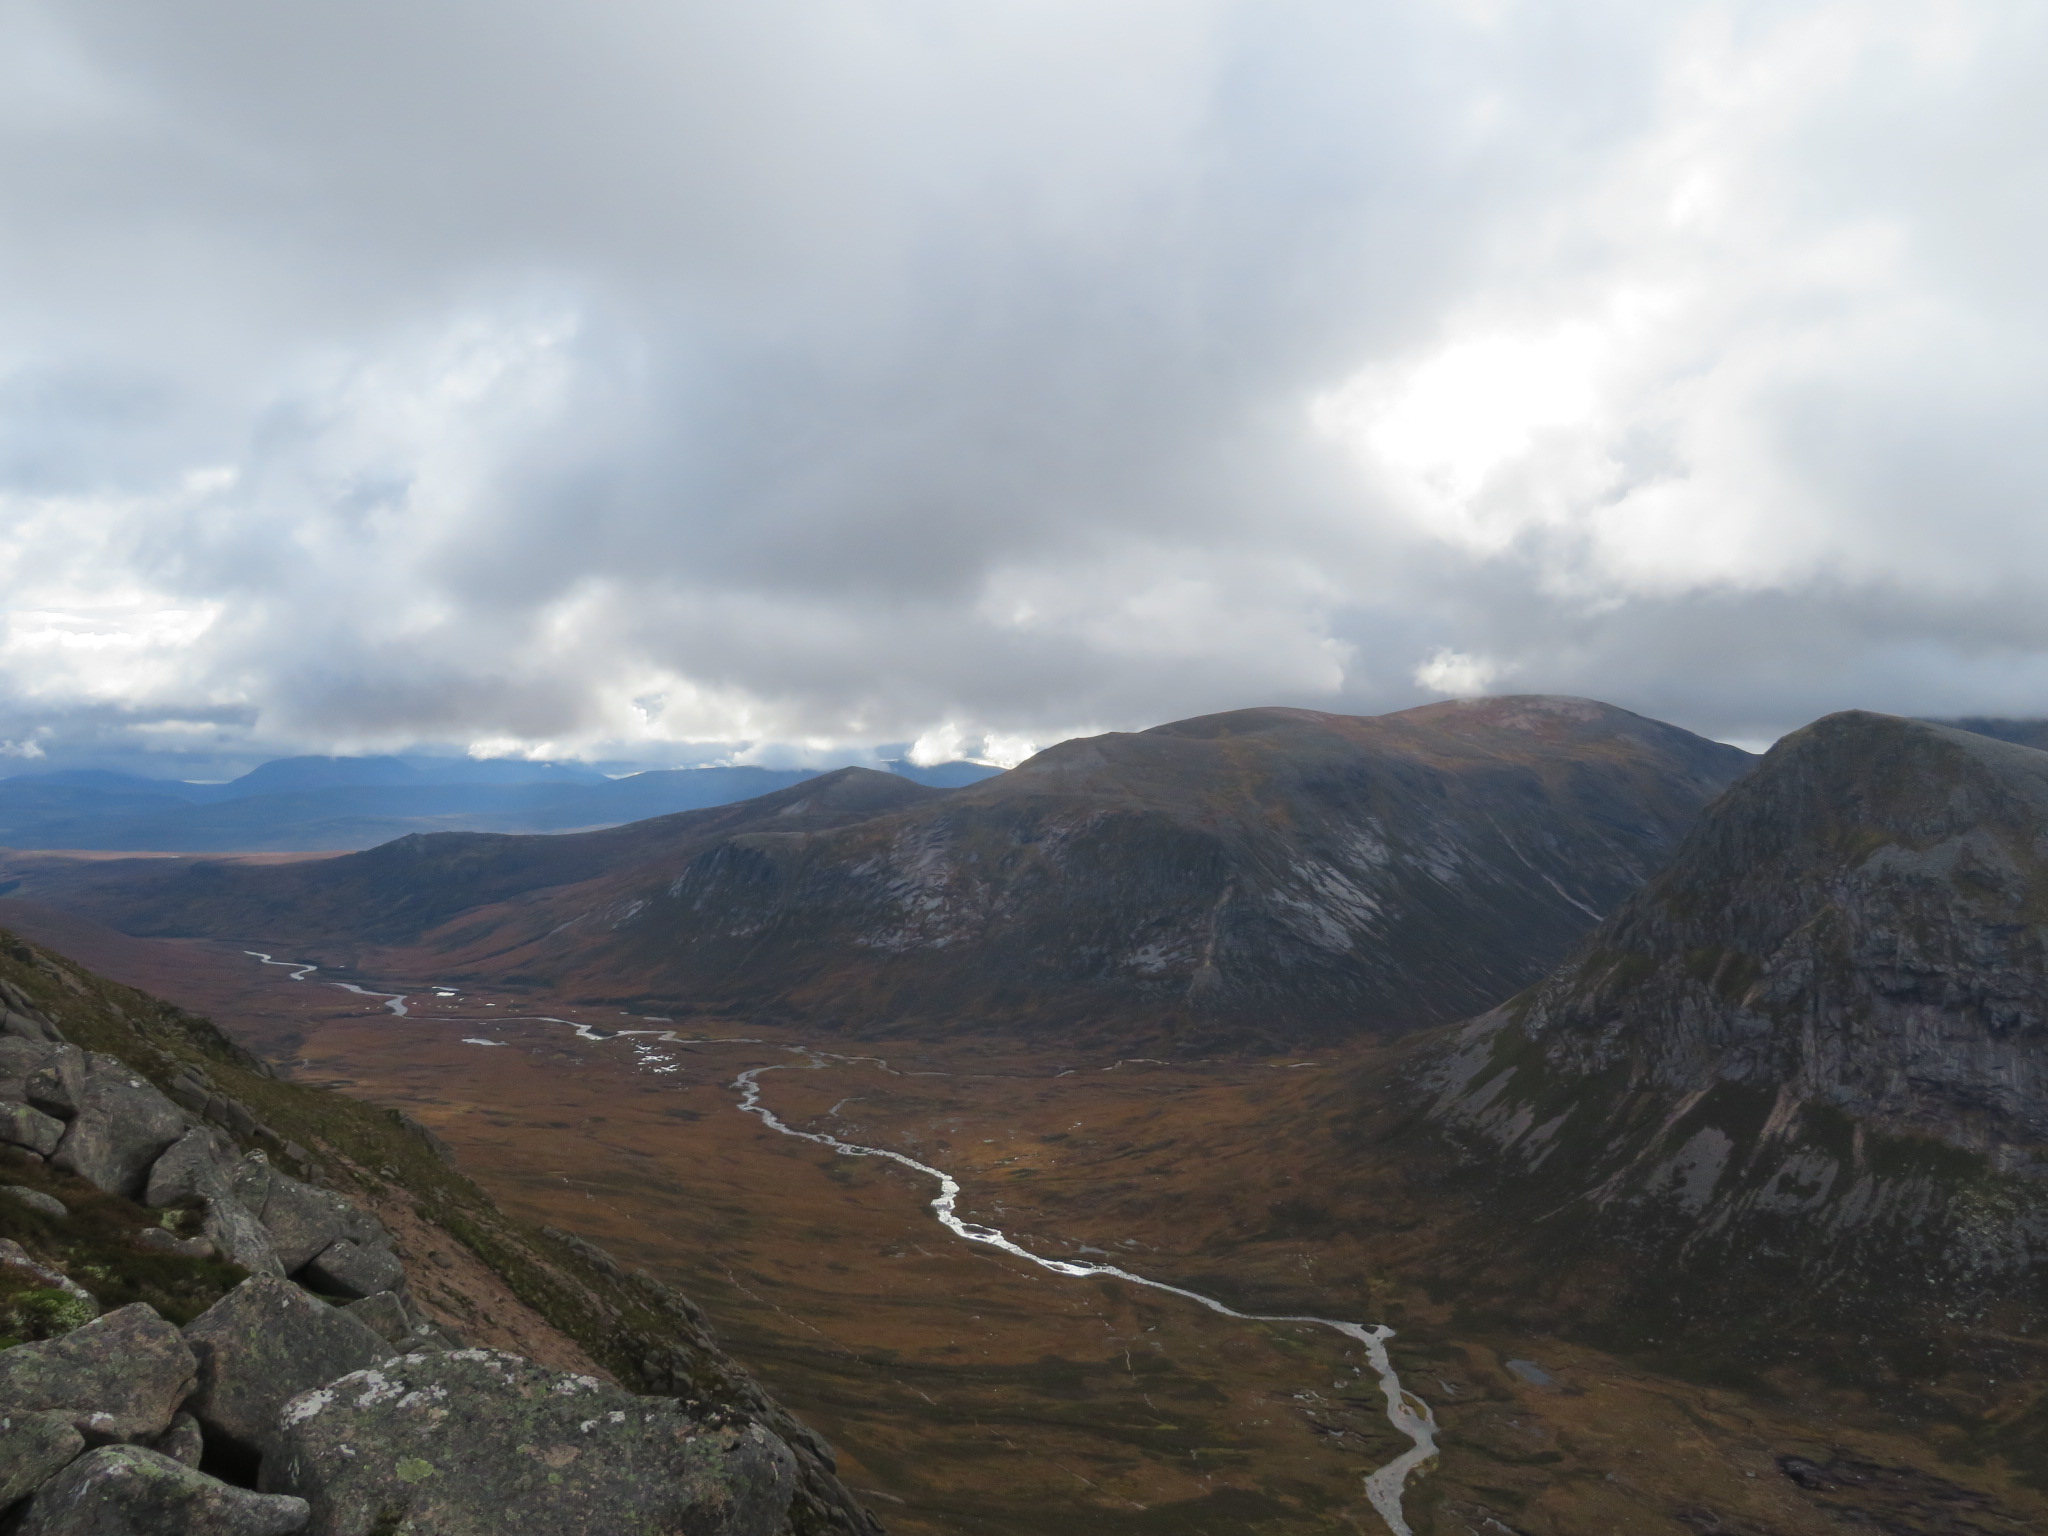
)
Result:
{"points": [[345, 1268], [182, 1441], [33, 1448], [383, 1314], [24, 1126], [18, 1059], [120, 1126], [197, 1166], [262, 1344], [118, 1378], [35, 1200], [479, 1443], [57, 1084], [202, 1166], [128, 1491], [301, 1219]]}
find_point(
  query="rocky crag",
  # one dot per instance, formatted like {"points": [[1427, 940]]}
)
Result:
{"points": [[1792, 1097], [215, 1318]]}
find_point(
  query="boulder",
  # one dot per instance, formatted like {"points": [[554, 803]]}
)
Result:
{"points": [[239, 1237], [30, 1129], [479, 1443], [197, 1166], [35, 1200], [383, 1314], [121, 1125], [345, 1268], [27, 1024], [57, 1083], [263, 1344], [33, 1448], [19, 1058], [201, 1166], [182, 1441], [128, 1491], [118, 1378], [300, 1219]]}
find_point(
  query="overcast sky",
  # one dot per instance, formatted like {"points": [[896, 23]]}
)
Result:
{"points": [[594, 378]]}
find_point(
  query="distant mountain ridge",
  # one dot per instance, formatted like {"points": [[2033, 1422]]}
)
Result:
{"points": [[322, 803], [1266, 876]]}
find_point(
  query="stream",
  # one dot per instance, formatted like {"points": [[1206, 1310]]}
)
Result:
{"points": [[1409, 1414], [1406, 1412]]}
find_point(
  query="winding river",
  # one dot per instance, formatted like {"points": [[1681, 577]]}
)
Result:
{"points": [[1405, 1411]]}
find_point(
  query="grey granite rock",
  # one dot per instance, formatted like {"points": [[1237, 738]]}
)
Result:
{"points": [[345, 1268], [24, 1126], [34, 1446], [120, 1126], [35, 1200], [27, 1024], [301, 1219], [56, 1085], [118, 1378], [19, 1058], [182, 1441], [262, 1344], [479, 1443], [197, 1166], [383, 1314], [128, 1491]]}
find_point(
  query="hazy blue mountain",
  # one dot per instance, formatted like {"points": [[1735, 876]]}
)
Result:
{"points": [[302, 803]]}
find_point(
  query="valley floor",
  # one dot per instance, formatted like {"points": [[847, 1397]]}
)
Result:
{"points": [[971, 1392]]}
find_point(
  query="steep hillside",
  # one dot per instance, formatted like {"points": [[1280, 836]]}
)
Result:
{"points": [[153, 1171], [1268, 875], [1798, 1084]]}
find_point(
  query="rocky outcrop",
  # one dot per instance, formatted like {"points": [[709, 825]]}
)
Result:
{"points": [[480, 1443], [1808, 1063], [141, 1169], [263, 1344], [121, 1377], [128, 1491]]}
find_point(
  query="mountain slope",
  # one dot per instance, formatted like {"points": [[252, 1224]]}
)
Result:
{"points": [[393, 893], [1798, 1084], [1270, 874], [145, 1065]]}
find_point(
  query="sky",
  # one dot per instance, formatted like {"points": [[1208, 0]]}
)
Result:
{"points": [[785, 382]]}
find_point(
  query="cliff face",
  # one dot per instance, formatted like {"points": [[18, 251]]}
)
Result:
{"points": [[1805, 1069], [1267, 876]]}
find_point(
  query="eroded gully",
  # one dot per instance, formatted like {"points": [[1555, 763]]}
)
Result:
{"points": [[1408, 1414]]}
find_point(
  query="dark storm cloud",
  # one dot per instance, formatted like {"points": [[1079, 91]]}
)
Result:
{"points": [[602, 377]]}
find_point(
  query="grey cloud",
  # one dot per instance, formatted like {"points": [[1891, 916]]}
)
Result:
{"points": [[406, 374]]}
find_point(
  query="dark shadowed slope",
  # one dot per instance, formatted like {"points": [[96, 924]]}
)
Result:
{"points": [[1801, 1078]]}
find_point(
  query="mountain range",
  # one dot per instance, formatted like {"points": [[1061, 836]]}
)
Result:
{"points": [[305, 804], [1268, 875]]}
